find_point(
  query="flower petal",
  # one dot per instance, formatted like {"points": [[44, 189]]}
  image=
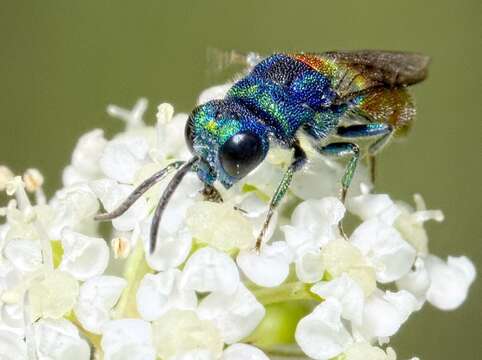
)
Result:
{"points": [[369, 206], [233, 232], [160, 292], [270, 267], [112, 194], [25, 255], [210, 270], [384, 313], [348, 293], [124, 339], [243, 352], [179, 331], [450, 281], [12, 346], [97, 297], [171, 250], [417, 282], [123, 157], [236, 316], [60, 340], [321, 335], [53, 296], [391, 255], [84, 256]]}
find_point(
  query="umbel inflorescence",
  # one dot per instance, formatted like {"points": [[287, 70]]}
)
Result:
{"points": [[205, 293]]}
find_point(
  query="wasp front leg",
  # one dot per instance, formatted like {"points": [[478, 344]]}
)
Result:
{"points": [[299, 159]]}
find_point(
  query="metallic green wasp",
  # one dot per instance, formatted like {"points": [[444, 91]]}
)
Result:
{"points": [[335, 98]]}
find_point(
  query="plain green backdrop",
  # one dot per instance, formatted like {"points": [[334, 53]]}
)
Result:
{"points": [[62, 62]]}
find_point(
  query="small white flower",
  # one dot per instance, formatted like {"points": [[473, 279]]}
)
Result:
{"points": [[170, 134], [270, 267], [209, 269], [172, 249], [25, 255], [236, 315], [233, 232], [450, 281], [348, 293], [180, 331], [197, 354], [132, 118], [97, 297], [365, 351], [53, 296], [410, 223], [33, 180], [127, 339], [390, 254], [59, 340], [160, 292], [417, 282], [321, 335], [12, 346], [112, 194], [384, 313], [243, 352], [309, 266], [340, 256], [5, 176], [368, 206], [314, 224], [74, 207], [84, 256], [123, 157], [85, 158]]}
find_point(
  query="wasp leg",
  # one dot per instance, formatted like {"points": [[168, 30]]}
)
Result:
{"points": [[338, 150], [299, 159], [139, 191], [210, 193], [369, 130]]}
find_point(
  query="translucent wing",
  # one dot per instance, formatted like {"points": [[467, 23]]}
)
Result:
{"points": [[353, 72], [230, 64], [375, 79]]}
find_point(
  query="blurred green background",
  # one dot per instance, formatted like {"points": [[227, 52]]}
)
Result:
{"points": [[62, 62]]}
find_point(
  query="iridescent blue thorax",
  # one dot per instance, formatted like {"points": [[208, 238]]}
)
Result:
{"points": [[286, 95]]}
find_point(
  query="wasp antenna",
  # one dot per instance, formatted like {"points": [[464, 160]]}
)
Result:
{"points": [[166, 196], [137, 193]]}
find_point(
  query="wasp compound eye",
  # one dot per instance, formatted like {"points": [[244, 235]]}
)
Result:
{"points": [[241, 154], [189, 133]]}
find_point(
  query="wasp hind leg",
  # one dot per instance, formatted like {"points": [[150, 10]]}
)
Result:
{"points": [[343, 149], [299, 159], [384, 131]]}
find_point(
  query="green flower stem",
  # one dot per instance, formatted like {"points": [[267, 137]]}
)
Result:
{"points": [[93, 339], [135, 269], [287, 292]]}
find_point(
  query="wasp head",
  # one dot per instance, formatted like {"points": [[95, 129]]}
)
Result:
{"points": [[228, 139]]}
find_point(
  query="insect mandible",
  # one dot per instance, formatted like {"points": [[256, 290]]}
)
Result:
{"points": [[342, 95]]}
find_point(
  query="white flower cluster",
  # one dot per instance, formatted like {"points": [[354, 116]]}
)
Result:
{"points": [[205, 294]]}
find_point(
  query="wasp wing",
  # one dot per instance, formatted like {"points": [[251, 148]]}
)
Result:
{"points": [[376, 78], [230, 64], [354, 71]]}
